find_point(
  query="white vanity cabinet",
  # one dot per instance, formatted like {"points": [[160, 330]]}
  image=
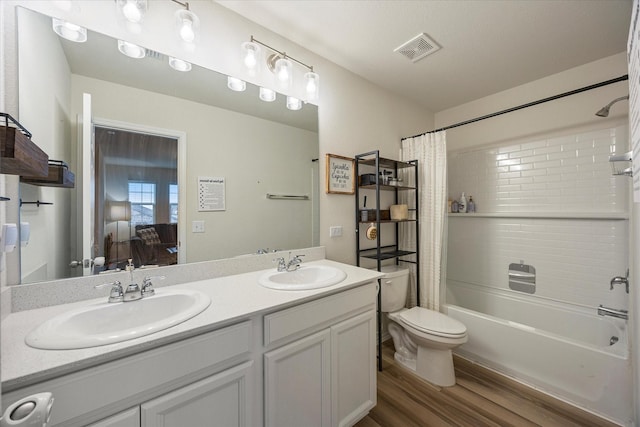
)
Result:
{"points": [[323, 373], [218, 400], [128, 418], [211, 362], [309, 364]]}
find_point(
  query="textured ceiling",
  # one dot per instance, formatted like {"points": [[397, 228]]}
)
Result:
{"points": [[487, 46]]}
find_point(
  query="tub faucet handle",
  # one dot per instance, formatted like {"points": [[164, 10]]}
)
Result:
{"points": [[619, 280]]}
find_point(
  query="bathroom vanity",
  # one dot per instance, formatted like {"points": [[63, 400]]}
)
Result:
{"points": [[255, 356]]}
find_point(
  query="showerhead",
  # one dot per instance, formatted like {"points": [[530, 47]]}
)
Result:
{"points": [[604, 111]]}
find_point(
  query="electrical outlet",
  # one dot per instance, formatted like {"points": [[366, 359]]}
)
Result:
{"points": [[197, 226], [335, 231]]}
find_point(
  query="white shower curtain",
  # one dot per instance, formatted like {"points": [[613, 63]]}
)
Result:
{"points": [[430, 150]]}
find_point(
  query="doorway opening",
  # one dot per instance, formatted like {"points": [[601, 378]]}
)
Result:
{"points": [[136, 198]]}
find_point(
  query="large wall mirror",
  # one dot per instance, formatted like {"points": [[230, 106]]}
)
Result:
{"points": [[161, 143]]}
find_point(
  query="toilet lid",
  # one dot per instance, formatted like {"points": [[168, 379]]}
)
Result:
{"points": [[433, 322]]}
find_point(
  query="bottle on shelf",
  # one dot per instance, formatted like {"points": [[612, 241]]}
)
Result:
{"points": [[471, 205], [462, 204]]}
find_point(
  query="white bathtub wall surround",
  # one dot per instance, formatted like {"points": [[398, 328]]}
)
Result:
{"points": [[561, 350], [551, 203], [45, 294], [554, 174], [574, 259]]}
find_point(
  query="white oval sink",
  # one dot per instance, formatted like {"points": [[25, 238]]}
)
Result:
{"points": [[108, 323], [304, 278]]}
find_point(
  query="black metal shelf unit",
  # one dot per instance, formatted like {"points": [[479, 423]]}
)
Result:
{"points": [[372, 162]]}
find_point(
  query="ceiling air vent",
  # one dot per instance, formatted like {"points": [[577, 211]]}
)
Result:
{"points": [[418, 47], [155, 55]]}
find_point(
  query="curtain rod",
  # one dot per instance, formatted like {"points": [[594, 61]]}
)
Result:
{"points": [[529, 104]]}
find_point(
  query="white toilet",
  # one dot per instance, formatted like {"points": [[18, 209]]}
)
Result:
{"points": [[423, 338]]}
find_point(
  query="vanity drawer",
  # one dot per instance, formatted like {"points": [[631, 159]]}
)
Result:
{"points": [[314, 315], [93, 393]]}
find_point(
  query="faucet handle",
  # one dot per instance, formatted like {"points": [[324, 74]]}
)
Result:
{"points": [[116, 294], [282, 265], [296, 259], [147, 286]]}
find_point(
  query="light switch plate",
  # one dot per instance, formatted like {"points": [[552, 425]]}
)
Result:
{"points": [[197, 226], [335, 231]]}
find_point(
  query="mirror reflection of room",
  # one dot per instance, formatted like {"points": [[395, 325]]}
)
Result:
{"points": [[258, 147], [136, 198]]}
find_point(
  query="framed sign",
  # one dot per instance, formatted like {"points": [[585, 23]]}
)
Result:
{"points": [[340, 174]]}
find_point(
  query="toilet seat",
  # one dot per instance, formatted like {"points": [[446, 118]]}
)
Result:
{"points": [[432, 322]]}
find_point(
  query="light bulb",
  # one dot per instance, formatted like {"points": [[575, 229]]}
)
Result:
{"points": [[283, 71], [313, 85], [236, 84], [69, 31], [251, 51], [267, 95], [131, 50], [179, 64], [133, 10], [293, 103], [186, 31], [187, 24]]}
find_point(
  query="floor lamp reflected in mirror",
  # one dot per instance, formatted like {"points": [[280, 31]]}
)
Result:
{"points": [[118, 212]]}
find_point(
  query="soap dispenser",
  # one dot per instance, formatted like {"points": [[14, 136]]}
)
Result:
{"points": [[462, 204]]}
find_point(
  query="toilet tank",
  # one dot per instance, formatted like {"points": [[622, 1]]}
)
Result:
{"points": [[394, 287]]}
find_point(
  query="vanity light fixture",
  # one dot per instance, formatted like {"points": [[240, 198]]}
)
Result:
{"points": [[132, 10], [267, 95], [236, 84], [293, 103], [179, 64], [187, 23], [69, 31], [281, 65], [131, 50]]}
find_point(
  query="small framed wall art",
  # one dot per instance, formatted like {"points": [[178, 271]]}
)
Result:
{"points": [[340, 174]]}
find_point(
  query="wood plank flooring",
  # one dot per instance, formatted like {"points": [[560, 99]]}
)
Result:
{"points": [[479, 398]]}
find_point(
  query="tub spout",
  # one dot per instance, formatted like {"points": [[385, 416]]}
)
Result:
{"points": [[605, 311]]}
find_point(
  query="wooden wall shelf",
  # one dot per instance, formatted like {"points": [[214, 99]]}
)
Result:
{"points": [[59, 175], [20, 155]]}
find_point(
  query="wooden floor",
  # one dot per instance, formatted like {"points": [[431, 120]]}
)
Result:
{"points": [[479, 398]]}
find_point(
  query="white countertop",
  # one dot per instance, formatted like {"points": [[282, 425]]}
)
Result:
{"points": [[233, 298]]}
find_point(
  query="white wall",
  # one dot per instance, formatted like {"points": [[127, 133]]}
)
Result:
{"points": [[217, 140]]}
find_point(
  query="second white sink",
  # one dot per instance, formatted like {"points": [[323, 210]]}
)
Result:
{"points": [[304, 278], [108, 323]]}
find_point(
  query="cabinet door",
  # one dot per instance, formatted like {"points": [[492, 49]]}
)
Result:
{"points": [[297, 383], [353, 368], [219, 400], [128, 418]]}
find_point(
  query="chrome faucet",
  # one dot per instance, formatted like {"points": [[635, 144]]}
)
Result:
{"points": [[292, 265], [619, 280], [116, 294], [133, 293], [606, 311]]}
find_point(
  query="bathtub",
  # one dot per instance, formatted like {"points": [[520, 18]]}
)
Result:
{"points": [[568, 352]]}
